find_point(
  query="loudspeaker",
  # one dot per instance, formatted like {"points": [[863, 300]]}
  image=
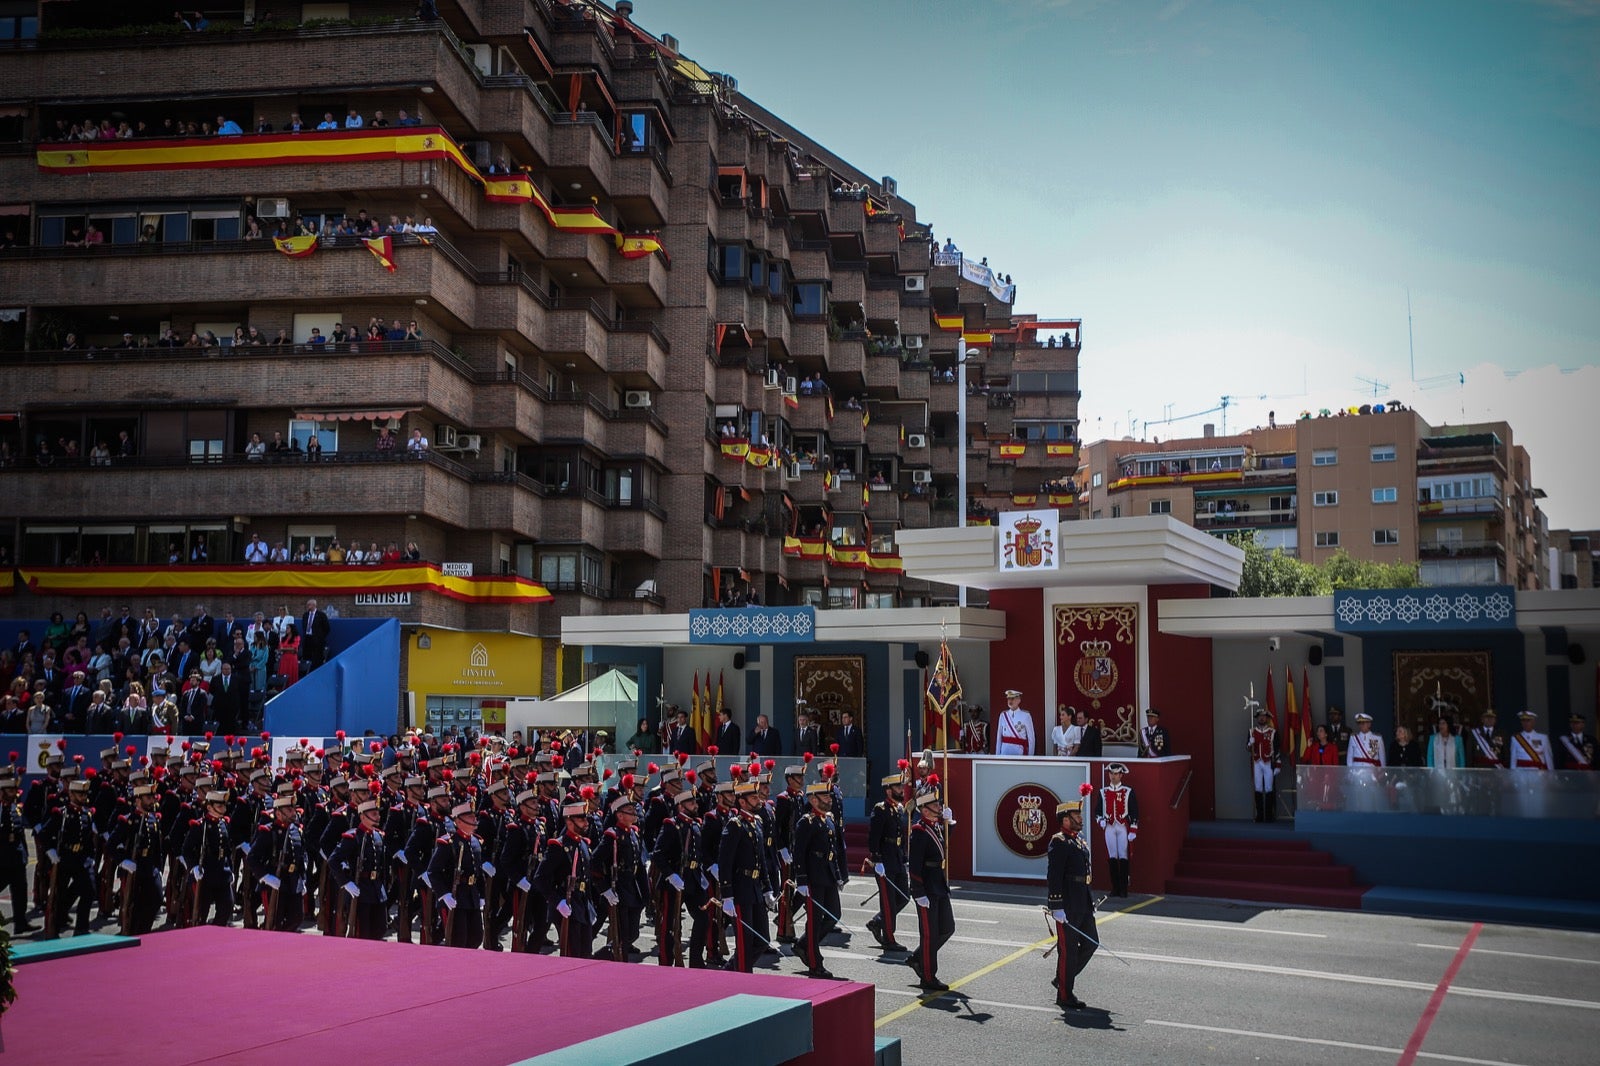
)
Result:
{"points": [[1575, 654], [1316, 655], [738, 660], [922, 659]]}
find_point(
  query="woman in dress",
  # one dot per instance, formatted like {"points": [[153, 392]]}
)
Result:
{"points": [[289, 654], [1322, 751], [260, 654], [210, 665]]}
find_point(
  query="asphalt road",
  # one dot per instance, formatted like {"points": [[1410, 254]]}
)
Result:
{"points": [[1205, 981]]}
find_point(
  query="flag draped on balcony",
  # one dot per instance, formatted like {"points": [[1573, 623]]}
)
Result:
{"points": [[950, 323], [295, 247], [1057, 448], [258, 581], [638, 245], [944, 693], [829, 399], [382, 249], [1013, 451]]}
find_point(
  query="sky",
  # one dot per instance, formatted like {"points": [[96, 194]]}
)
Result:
{"points": [[1239, 198]]}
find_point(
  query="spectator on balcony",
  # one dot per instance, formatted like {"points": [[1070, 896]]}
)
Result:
{"points": [[262, 125], [256, 450], [256, 552], [375, 335], [352, 120], [406, 120], [295, 124], [314, 447], [198, 552], [226, 127], [385, 443], [412, 554], [355, 556], [417, 446], [44, 456], [336, 553], [374, 554], [413, 332], [396, 332], [100, 454], [328, 122], [391, 554], [252, 230], [317, 340], [378, 121], [426, 227]]}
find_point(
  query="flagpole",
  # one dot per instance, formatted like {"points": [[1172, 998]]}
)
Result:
{"points": [[944, 724]]}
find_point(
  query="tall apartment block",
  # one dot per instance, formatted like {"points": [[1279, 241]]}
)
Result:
{"points": [[1378, 482], [666, 350]]}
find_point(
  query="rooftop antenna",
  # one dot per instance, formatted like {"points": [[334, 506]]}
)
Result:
{"points": [[1411, 341], [1377, 386]]}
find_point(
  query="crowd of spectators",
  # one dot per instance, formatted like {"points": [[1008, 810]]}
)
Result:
{"points": [[131, 674], [222, 125]]}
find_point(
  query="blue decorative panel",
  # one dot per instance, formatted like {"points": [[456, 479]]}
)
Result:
{"points": [[1434, 610], [753, 625]]}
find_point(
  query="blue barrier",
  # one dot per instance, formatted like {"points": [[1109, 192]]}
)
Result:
{"points": [[357, 690]]}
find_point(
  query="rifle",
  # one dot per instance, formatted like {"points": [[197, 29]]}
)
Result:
{"points": [[274, 894], [677, 927], [461, 847], [50, 901], [402, 888], [108, 881], [616, 929], [519, 898], [125, 897], [490, 934], [194, 908]]}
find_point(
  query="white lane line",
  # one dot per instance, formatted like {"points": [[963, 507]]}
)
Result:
{"points": [[975, 1002], [1224, 927], [1036, 901], [968, 921], [1360, 979], [1324, 1043], [993, 943], [1515, 954]]}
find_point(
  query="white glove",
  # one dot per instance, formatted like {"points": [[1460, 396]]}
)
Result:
{"points": [[271, 882], [245, 848], [54, 855], [524, 885], [610, 895], [877, 868], [675, 881], [728, 908], [803, 890], [488, 868], [353, 889], [449, 900], [425, 879], [771, 901], [922, 901], [199, 873], [949, 817], [564, 909], [400, 857], [127, 864], [160, 881], [784, 854], [1060, 916], [713, 869], [1132, 836], [1101, 822]]}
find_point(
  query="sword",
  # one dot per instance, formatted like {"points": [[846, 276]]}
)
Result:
{"points": [[1099, 946], [768, 944], [837, 923]]}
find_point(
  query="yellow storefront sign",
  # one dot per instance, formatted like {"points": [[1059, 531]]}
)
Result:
{"points": [[485, 665]]}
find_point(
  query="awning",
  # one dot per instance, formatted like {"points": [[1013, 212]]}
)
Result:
{"points": [[353, 416]]}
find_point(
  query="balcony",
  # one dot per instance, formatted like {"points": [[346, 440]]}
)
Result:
{"points": [[637, 432], [847, 356], [1245, 519], [510, 401], [884, 505], [1487, 507], [637, 356], [578, 326], [883, 375], [176, 486], [575, 417], [641, 185], [574, 516], [581, 151], [507, 501], [1462, 549], [634, 530]]}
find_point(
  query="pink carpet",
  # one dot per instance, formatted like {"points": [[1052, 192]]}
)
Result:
{"points": [[213, 995]]}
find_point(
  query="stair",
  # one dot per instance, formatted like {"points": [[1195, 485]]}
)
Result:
{"points": [[1262, 870]]}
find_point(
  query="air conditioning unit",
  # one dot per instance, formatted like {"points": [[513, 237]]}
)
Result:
{"points": [[791, 386], [773, 379], [916, 440], [636, 398], [669, 42], [446, 437], [914, 342], [471, 443], [272, 207], [791, 471], [890, 186], [916, 282], [921, 477]]}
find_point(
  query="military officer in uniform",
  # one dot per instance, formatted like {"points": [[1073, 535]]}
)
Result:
{"points": [[816, 875], [618, 870], [140, 851], [1117, 813], [360, 865], [1262, 742], [1153, 740], [455, 878], [278, 866], [1070, 903], [520, 843], [743, 881], [675, 873], [397, 827], [1487, 747], [1014, 730], [930, 890], [563, 878], [208, 858], [1575, 749], [886, 850], [44, 795], [14, 850], [787, 808]]}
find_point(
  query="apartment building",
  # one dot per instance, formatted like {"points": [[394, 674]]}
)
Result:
{"points": [[1376, 481], [666, 350]]}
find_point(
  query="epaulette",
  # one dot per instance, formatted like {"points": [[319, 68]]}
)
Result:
{"points": [[266, 826], [555, 842], [611, 832], [441, 841], [193, 822], [122, 818], [348, 833]]}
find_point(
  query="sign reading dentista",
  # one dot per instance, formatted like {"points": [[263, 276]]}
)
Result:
{"points": [[475, 664]]}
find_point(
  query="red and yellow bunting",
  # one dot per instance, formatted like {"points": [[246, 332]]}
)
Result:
{"points": [[295, 247], [885, 563], [382, 249], [279, 580], [1059, 449]]}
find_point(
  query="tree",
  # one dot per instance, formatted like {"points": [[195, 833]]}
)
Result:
{"points": [[1271, 572]]}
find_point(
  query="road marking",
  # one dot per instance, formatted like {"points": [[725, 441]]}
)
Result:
{"points": [[1435, 1001], [1512, 954], [992, 943], [1359, 979], [1323, 1043], [924, 1000], [1224, 927], [979, 1002]]}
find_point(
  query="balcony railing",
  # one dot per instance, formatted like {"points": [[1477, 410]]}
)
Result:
{"points": [[238, 460], [1461, 549], [232, 353]]}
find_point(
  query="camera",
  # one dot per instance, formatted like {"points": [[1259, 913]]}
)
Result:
{"points": [[1272, 643]]}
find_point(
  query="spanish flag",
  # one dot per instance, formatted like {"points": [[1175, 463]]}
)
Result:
{"points": [[885, 562], [1013, 451], [637, 245], [791, 545], [978, 340], [1024, 499], [827, 481], [829, 398], [866, 495], [952, 323], [902, 434], [758, 455], [735, 447], [866, 418], [382, 249], [1060, 499], [515, 189], [791, 401], [850, 557], [1060, 449], [295, 247]]}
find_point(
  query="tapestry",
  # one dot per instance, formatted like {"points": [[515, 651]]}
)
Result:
{"points": [[831, 685], [1097, 666], [1428, 683]]}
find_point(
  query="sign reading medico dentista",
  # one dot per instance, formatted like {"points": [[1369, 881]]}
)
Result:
{"points": [[383, 599]]}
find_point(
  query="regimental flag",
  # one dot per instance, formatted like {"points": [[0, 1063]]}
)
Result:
{"points": [[638, 245], [694, 711], [951, 323], [734, 447], [382, 249], [1294, 741], [944, 694], [791, 401], [296, 247], [1272, 706], [1308, 728], [1055, 448], [719, 672], [1013, 451], [978, 340]]}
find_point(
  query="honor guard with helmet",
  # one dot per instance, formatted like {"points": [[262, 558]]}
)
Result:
{"points": [[360, 867], [520, 845], [1117, 813], [743, 881], [1070, 902], [930, 887], [139, 850], [1262, 743], [208, 858], [278, 866], [14, 847], [455, 878], [618, 870], [45, 793], [72, 842], [563, 878], [816, 875], [680, 883], [787, 808], [886, 851]]}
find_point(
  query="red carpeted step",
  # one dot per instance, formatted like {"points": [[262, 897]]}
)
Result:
{"points": [[1294, 895], [1288, 843], [1199, 852], [1322, 876]]}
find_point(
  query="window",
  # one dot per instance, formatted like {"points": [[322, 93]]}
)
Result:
{"points": [[878, 599], [1098, 480], [1281, 503], [1388, 495], [1160, 506], [327, 434], [1054, 382], [841, 597], [1383, 453], [1325, 457], [1386, 536], [1116, 511], [1328, 540], [731, 262], [809, 299], [1325, 499]]}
